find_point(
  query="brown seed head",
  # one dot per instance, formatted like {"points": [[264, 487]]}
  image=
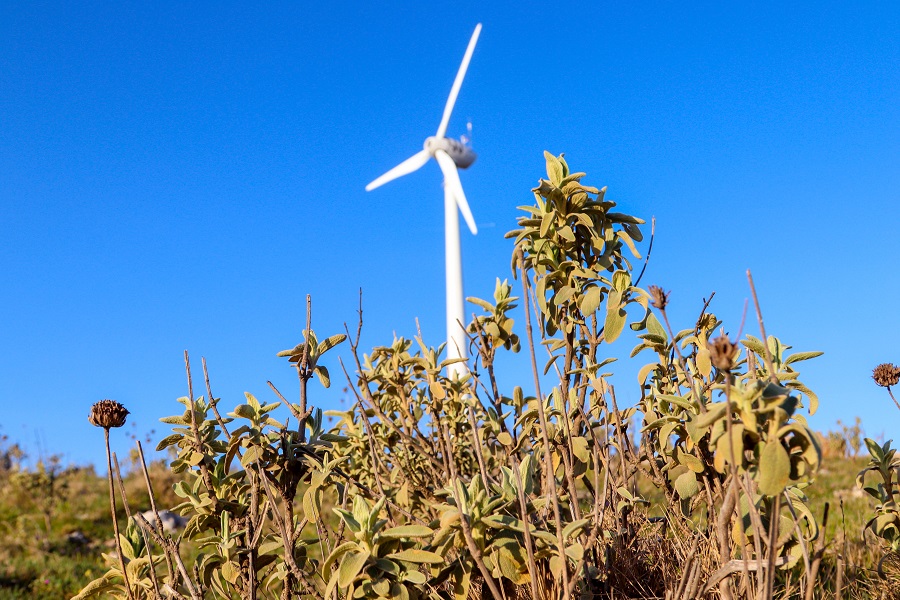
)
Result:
{"points": [[722, 353], [886, 374], [107, 413], [658, 297]]}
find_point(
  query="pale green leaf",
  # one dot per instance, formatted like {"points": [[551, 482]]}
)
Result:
{"points": [[330, 343], [615, 317], [406, 531], [686, 485], [798, 356], [621, 280], [351, 564], [554, 168], [590, 300], [323, 375], [414, 555], [774, 469]]}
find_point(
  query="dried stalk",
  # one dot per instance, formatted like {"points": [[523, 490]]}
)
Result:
{"points": [[112, 508], [818, 553], [548, 457], [143, 533], [474, 550], [302, 370], [169, 565]]}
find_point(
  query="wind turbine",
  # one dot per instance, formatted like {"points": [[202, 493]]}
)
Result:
{"points": [[450, 155]]}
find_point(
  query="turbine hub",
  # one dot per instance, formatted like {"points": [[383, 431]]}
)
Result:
{"points": [[463, 156]]}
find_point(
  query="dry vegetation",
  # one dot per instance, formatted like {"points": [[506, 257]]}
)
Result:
{"points": [[431, 486]]}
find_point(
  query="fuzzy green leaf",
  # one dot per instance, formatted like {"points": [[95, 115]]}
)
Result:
{"points": [[615, 317], [414, 555], [774, 469], [168, 441], [686, 485], [621, 280], [351, 564], [323, 375], [798, 356], [590, 300], [336, 554], [487, 306], [554, 168], [406, 531], [330, 343], [176, 420], [575, 527]]}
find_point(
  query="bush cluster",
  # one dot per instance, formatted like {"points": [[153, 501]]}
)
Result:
{"points": [[440, 486]]}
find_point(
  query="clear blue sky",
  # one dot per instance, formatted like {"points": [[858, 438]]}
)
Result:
{"points": [[180, 177]]}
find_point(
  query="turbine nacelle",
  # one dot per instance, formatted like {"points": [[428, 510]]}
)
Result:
{"points": [[462, 155]]}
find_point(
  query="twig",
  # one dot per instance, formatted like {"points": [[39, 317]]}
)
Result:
{"points": [[892, 397], [548, 457], [818, 552], [724, 518], [839, 579], [300, 417], [771, 548], [249, 538], [649, 250], [802, 541], [112, 508], [476, 445], [599, 512], [474, 550], [144, 533], [212, 402], [770, 366], [746, 485], [286, 532], [197, 441], [735, 565], [526, 525], [687, 570], [159, 539], [302, 367], [159, 524]]}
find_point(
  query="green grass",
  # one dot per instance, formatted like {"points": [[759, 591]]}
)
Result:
{"points": [[850, 508], [39, 563]]}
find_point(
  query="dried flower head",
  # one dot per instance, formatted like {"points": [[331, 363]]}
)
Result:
{"points": [[722, 353], [886, 374], [658, 297], [107, 413]]}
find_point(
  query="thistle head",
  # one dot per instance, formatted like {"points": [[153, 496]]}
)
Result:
{"points": [[658, 297], [107, 414], [722, 353], [886, 375]]}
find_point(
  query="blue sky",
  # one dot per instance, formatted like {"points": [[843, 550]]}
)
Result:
{"points": [[180, 177]]}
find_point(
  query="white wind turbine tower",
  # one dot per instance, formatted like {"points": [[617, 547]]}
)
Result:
{"points": [[450, 155]]}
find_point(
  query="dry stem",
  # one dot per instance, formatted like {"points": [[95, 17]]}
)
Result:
{"points": [[112, 508]]}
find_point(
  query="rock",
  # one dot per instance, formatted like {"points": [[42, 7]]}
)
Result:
{"points": [[77, 538], [171, 522]]}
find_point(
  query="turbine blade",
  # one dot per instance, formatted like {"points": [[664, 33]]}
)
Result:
{"points": [[457, 83], [451, 180], [413, 163]]}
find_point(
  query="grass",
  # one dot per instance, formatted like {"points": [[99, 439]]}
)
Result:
{"points": [[39, 563]]}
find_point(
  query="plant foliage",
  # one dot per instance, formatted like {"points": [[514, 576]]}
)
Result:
{"points": [[437, 486]]}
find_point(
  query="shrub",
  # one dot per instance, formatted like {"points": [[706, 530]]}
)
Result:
{"points": [[436, 486]]}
